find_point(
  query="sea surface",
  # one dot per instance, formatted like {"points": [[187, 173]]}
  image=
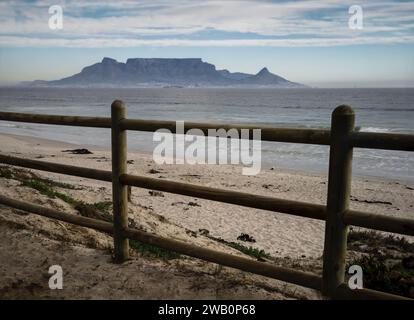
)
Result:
{"points": [[377, 110]]}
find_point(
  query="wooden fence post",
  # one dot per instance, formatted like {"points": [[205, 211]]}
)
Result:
{"points": [[339, 189], [119, 191]]}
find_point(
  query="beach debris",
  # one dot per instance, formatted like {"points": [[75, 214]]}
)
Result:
{"points": [[176, 203], [161, 218], [98, 158], [191, 204], [78, 151], [149, 208], [371, 201], [245, 237], [203, 232], [191, 233], [198, 176], [153, 171], [277, 188], [194, 204], [130, 161], [155, 193], [132, 223], [129, 193], [272, 168], [229, 185]]}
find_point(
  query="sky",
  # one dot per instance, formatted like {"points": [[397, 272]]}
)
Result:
{"points": [[318, 43]]}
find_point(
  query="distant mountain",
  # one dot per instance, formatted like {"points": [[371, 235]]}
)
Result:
{"points": [[235, 75], [265, 78], [143, 72]]}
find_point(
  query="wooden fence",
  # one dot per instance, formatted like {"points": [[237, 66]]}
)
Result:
{"points": [[342, 138]]}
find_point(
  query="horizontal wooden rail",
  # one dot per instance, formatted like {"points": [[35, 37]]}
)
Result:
{"points": [[379, 222], [344, 292], [262, 268], [385, 141], [89, 173], [372, 140], [93, 122], [302, 209], [296, 208], [307, 136], [55, 214]]}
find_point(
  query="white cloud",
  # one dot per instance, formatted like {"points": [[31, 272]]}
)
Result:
{"points": [[130, 23], [104, 42]]}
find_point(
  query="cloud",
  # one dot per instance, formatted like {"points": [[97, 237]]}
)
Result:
{"points": [[184, 23]]}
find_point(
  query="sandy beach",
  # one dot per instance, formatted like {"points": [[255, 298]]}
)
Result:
{"points": [[282, 236]]}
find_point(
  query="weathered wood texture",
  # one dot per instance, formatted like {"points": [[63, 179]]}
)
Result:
{"points": [[306, 136], [119, 190], [95, 174], [339, 189], [343, 292], [385, 141], [93, 122], [371, 140], [379, 222], [303, 209]]}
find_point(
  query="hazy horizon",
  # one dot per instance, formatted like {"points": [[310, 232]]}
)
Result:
{"points": [[311, 85]]}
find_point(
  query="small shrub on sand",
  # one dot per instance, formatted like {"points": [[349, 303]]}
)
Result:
{"points": [[387, 261], [6, 172], [47, 190], [379, 274], [98, 210], [103, 205], [375, 239], [154, 251], [250, 251]]}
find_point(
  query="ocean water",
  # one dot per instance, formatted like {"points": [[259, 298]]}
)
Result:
{"points": [[377, 110]]}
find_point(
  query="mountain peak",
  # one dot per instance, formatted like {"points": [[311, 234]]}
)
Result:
{"points": [[263, 71], [108, 60]]}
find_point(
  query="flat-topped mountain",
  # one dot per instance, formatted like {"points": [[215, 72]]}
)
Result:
{"points": [[155, 72]]}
